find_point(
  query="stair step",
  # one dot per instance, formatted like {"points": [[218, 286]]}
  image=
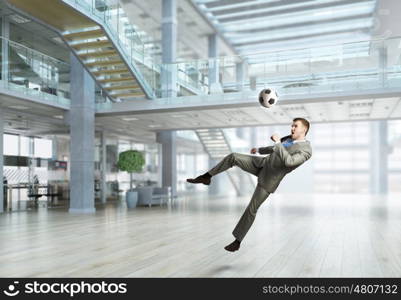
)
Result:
{"points": [[126, 95], [92, 45], [106, 80], [106, 53], [84, 34], [122, 87], [112, 71], [104, 63]]}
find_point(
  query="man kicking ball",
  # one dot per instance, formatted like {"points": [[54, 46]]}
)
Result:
{"points": [[286, 155]]}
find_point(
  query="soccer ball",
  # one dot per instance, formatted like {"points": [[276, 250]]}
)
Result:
{"points": [[268, 97]]}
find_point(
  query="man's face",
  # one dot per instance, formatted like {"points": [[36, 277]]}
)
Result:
{"points": [[297, 130]]}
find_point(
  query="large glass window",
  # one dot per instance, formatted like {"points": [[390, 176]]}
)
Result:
{"points": [[10, 144], [24, 150], [43, 148]]}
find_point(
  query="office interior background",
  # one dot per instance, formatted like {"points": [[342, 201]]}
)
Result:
{"points": [[82, 81]]}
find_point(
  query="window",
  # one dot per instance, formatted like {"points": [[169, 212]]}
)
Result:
{"points": [[10, 146], [24, 146], [43, 148]]}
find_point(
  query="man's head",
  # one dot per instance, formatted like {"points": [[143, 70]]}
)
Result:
{"points": [[299, 128]]}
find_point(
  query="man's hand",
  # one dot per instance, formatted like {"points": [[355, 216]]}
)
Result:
{"points": [[275, 138], [254, 150]]}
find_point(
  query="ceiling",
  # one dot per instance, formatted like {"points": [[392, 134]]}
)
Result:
{"points": [[254, 115], [192, 28], [26, 117], [252, 26]]}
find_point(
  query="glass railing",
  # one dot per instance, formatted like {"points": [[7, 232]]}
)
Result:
{"points": [[110, 14], [38, 75], [332, 68], [35, 74]]}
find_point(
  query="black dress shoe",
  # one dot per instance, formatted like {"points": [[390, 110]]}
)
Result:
{"points": [[200, 179], [234, 246]]}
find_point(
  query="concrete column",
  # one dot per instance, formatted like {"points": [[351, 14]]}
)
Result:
{"points": [[383, 58], [168, 159], [378, 158], [213, 54], [82, 131], [1, 160], [215, 188], [103, 186], [32, 162], [5, 33], [252, 83], [54, 148], [253, 138], [243, 134], [240, 75], [169, 48]]}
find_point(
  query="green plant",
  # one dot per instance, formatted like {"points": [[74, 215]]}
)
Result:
{"points": [[131, 161]]}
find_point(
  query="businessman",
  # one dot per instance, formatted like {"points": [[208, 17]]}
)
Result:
{"points": [[287, 154]]}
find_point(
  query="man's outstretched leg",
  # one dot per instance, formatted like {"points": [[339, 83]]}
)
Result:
{"points": [[246, 221], [245, 162]]}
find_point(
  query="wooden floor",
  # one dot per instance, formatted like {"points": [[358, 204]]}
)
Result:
{"points": [[293, 236]]}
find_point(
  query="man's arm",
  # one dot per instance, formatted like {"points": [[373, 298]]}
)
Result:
{"points": [[269, 149], [265, 150], [291, 160]]}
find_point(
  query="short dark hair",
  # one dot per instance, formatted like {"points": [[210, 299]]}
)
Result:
{"points": [[304, 122]]}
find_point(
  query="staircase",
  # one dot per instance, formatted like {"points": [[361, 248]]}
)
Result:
{"points": [[104, 41], [217, 147], [101, 59]]}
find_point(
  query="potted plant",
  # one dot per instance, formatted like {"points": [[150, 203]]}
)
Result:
{"points": [[131, 161]]}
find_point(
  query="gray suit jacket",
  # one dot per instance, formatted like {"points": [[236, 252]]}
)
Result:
{"points": [[281, 161]]}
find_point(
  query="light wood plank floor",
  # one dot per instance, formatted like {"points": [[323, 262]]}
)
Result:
{"points": [[293, 236]]}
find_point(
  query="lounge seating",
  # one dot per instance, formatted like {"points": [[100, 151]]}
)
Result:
{"points": [[153, 195]]}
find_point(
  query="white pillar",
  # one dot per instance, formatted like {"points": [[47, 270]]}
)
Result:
{"points": [[169, 48], [378, 158], [5, 33], [103, 186], [82, 131], [240, 75], [169, 89], [169, 159], [213, 54]]}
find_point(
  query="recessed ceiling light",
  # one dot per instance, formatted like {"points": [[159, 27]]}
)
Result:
{"points": [[58, 116], [178, 116], [154, 125], [130, 119], [18, 107]]}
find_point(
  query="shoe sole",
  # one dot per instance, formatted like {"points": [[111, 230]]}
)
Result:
{"points": [[230, 250], [198, 182]]}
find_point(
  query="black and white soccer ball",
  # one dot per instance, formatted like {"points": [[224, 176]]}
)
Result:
{"points": [[268, 97]]}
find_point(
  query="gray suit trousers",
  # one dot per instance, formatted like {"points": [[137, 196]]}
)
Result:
{"points": [[252, 165]]}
